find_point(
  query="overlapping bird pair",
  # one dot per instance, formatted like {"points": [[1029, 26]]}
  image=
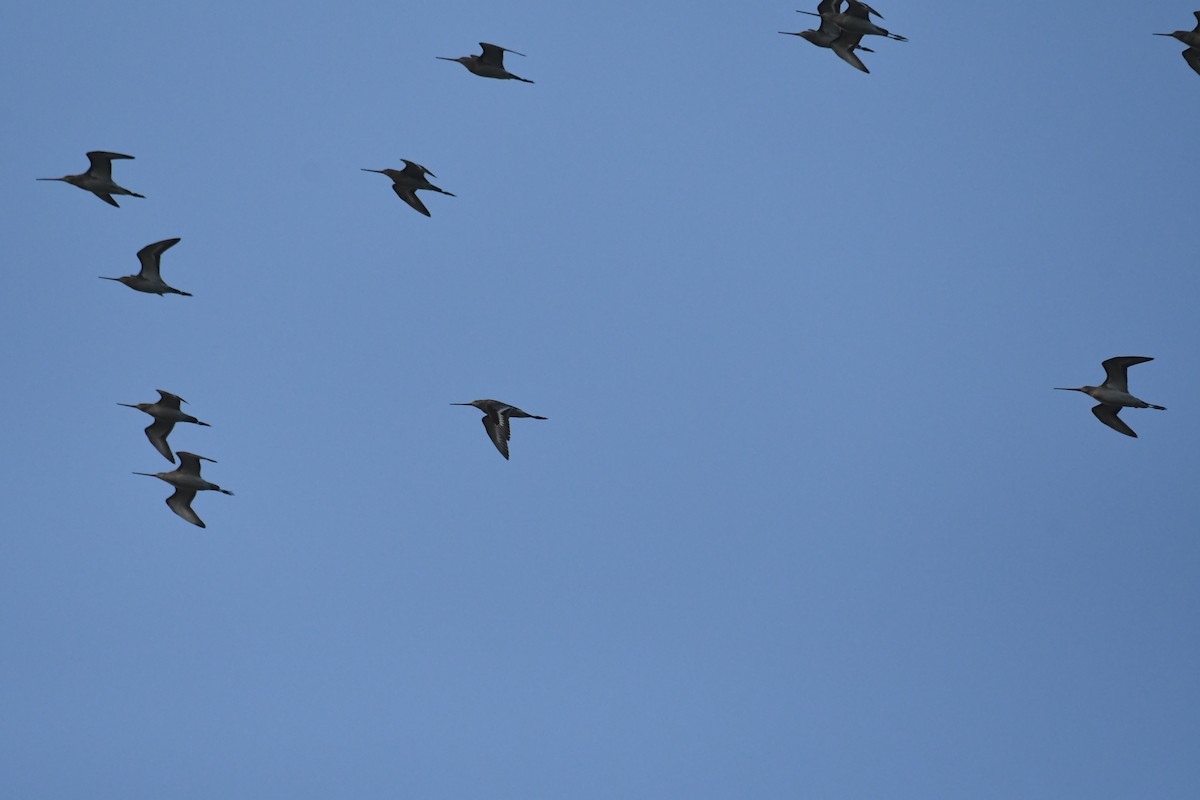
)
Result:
{"points": [[842, 31]]}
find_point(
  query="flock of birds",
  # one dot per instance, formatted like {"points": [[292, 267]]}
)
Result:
{"points": [[840, 31], [843, 31], [167, 411]]}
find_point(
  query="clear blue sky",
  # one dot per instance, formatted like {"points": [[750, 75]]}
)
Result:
{"points": [[806, 520]]}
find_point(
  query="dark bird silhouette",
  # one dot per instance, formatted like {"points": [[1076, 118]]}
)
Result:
{"points": [[495, 420], [829, 35], [1192, 40], [489, 64], [166, 413], [149, 280], [98, 179], [1114, 394], [406, 182], [855, 19], [187, 481]]}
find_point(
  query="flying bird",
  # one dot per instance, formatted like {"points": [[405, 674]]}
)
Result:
{"points": [[1114, 394], [406, 182], [495, 420], [98, 179], [187, 481], [166, 413], [1192, 40], [855, 19], [489, 64], [829, 35], [149, 280]]}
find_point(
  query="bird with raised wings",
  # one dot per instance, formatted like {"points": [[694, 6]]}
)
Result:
{"points": [[406, 182], [1114, 394], [166, 413], [98, 179], [187, 481], [149, 279], [489, 63], [495, 420]]}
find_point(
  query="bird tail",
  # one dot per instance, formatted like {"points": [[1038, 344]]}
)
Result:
{"points": [[1160, 408]]}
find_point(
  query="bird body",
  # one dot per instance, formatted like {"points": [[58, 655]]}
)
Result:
{"points": [[98, 179], [1192, 40], [166, 413], [495, 420], [489, 64], [406, 182], [187, 481], [148, 279], [1113, 394]]}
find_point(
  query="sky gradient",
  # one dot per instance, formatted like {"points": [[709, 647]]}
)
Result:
{"points": [[806, 519]]}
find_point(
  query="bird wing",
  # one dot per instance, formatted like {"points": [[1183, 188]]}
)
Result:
{"points": [[496, 425], [189, 463], [844, 47], [415, 167], [149, 256], [100, 164], [410, 196], [830, 29], [181, 504], [106, 197], [1197, 14], [168, 399], [494, 54], [828, 7], [862, 10], [1108, 415], [157, 433], [1192, 56], [1115, 368]]}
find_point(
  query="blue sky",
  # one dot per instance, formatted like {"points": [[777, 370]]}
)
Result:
{"points": [[806, 518]]}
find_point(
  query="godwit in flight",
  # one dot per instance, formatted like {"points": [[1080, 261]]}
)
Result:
{"points": [[187, 481], [98, 179], [489, 64], [495, 420], [1114, 394]]}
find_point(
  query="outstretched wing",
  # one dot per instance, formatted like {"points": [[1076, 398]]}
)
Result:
{"points": [[100, 164], [157, 433], [845, 45], [181, 504], [149, 256], [189, 463], [1192, 55], [1108, 415], [1115, 369], [493, 54], [168, 399], [412, 165], [410, 196], [498, 431]]}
